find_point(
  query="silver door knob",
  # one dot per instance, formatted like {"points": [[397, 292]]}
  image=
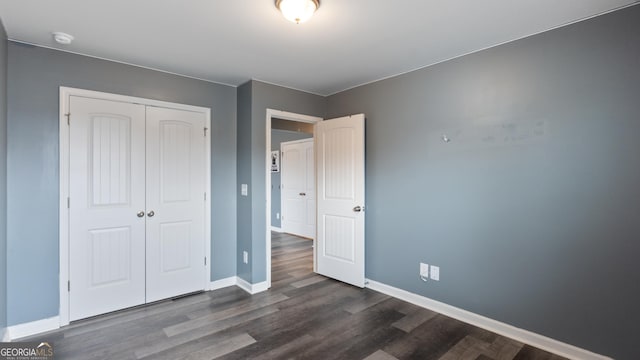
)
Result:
{"points": [[140, 213], [151, 213], [358, 208]]}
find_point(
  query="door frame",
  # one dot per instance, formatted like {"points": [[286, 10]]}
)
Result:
{"points": [[64, 138], [284, 115]]}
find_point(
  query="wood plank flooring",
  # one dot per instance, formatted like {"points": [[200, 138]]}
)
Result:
{"points": [[303, 316]]}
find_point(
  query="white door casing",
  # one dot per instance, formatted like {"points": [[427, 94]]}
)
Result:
{"points": [[107, 190], [284, 115], [298, 188], [340, 197], [101, 168], [175, 202]]}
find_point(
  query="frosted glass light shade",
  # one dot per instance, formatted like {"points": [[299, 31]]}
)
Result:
{"points": [[297, 11]]}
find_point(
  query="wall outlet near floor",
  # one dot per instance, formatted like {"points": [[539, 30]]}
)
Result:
{"points": [[245, 257], [435, 273], [424, 271]]}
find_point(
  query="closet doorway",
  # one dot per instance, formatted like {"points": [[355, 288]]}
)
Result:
{"points": [[134, 204]]}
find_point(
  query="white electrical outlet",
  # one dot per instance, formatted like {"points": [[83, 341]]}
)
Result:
{"points": [[245, 257], [424, 271], [435, 273], [244, 190]]}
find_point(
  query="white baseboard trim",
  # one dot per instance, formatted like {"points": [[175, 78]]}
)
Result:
{"points": [[524, 336], [276, 229], [33, 328], [259, 287], [252, 288], [223, 283], [44, 325], [239, 282]]}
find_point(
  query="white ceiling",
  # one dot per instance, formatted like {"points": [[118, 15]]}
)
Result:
{"points": [[347, 43]]}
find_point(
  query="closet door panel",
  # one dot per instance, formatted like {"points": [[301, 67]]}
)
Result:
{"points": [[107, 191], [175, 203]]}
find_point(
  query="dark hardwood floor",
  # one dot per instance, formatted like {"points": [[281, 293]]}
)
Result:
{"points": [[303, 316]]}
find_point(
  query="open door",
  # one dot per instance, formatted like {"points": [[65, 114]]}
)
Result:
{"points": [[340, 197]]}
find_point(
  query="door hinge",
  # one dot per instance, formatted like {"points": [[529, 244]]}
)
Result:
{"points": [[68, 203], [205, 261], [205, 196], [69, 286], [68, 115], [205, 131]]}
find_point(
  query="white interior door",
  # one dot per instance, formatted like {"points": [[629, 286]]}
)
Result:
{"points": [[298, 188], [340, 166], [107, 192], [137, 187], [175, 202]]}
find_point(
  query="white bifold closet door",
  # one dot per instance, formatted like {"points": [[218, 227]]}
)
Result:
{"points": [[175, 195], [136, 205]]}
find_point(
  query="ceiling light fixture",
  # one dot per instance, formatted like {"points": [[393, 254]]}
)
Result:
{"points": [[297, 11], [62, 38]]}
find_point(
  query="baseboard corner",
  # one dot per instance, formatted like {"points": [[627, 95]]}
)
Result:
{"points": [[260, 287], [252, 288]]}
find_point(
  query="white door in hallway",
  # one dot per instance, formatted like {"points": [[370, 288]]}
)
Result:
{"points": [[298, 188], [137, 205], [341, 190], [107, 193], [175, 202]]}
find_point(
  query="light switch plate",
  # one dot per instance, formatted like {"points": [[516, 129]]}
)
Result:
{"points": [[244, 190]]}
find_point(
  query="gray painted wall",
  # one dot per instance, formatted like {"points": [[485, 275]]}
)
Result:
{"points": [[3, 178], [244, 177], [277, 138], [34, 77], [252, 145], [532, 209]]}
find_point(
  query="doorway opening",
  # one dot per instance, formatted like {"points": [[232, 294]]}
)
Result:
{"points": [[288, 127], [293, 201]]}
